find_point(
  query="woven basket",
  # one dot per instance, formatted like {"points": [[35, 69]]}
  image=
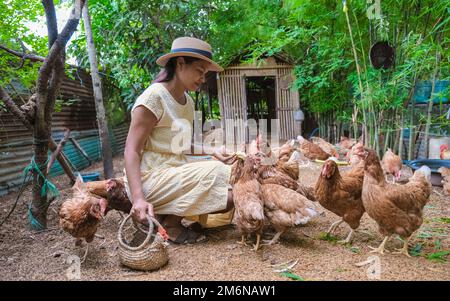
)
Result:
{"points": [[148, 255]]}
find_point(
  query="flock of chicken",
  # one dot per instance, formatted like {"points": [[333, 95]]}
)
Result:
{"points": [[267, 190]]}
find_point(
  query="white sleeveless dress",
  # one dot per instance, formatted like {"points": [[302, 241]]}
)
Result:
{"points": [[171, 183]]}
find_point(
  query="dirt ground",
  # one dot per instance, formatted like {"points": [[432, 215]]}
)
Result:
{"points": [[28, 255]]}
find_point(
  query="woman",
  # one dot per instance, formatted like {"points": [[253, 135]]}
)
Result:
{"points": [[158, 178]]}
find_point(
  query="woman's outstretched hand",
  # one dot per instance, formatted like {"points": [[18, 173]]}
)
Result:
{"points": [[140, 211]]}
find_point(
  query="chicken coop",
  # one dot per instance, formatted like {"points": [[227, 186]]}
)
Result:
{"points": [[258, 90]]}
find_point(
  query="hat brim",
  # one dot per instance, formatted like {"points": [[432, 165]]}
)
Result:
{"points": [[162, 60]]}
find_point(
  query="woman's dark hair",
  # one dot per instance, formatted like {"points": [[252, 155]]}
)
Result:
{"points": [[168, 72]]}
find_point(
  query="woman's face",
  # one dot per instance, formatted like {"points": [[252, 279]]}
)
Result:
{"points": [[192, 75]]}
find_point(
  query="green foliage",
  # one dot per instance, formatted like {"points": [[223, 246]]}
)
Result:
{"points": [[439, 256], [328, 237], [292, 276], [14, 17], [59, 103], [130, 35]]}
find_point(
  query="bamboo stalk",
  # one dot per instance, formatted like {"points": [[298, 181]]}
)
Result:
{"points": [[430, 104], [345, 9], [386, 141], [355, 121], [411, 131], [400, 140]]}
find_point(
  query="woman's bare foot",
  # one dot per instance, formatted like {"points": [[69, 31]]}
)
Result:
{"points": [[179, 234]]}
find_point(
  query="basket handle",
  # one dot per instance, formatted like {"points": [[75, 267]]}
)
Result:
{"points": [[122, 243]]}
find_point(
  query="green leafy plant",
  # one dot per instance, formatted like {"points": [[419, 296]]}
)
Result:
{"points": [[292, 276], [328, 237], [439, 256]]}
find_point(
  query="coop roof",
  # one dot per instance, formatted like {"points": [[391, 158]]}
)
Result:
{"points": [[280, 58]]}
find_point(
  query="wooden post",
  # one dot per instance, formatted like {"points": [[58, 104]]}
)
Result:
{"points": [[105, 143], [82, 151]]}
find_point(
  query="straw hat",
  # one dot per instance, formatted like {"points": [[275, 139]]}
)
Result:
{"points": [[187, 46]]}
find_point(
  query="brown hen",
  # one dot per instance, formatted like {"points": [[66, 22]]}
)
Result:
{"points": [[326, 146], [445, 173], [341, 194], [80, 215], [397, 209], [285, 208], [392, 164], [249, 208], [312, 151]]}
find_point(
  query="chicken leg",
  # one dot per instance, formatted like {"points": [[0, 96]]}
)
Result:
{"points": [[380, 248], [348, 239], [258, 240], [79, 243], [242, 241], [273, 240], [334, 226], [403, 250], [85, 253]]}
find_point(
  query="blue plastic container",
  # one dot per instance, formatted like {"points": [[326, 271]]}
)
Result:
{"points": [[441, 86], [422, 91], [434, 165], [406, 132], [89, 177]]}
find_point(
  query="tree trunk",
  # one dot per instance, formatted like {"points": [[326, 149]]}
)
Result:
{"points": [[47, 87], [97, 86]]}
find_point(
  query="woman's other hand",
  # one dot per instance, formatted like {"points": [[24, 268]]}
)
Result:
{"points": [[140, 211]]}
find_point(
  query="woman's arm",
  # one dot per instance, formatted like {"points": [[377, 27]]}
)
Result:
{"points": [[141, 126]]}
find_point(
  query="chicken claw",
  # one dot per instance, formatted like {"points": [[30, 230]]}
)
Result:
{"points": [[258, 239], [273, 240], [403, 250], [334, 226], [380, 248], [242, 241], [348, 239], [85, 254]]}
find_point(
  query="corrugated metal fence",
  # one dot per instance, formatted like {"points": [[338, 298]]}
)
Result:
{"points": [[15, 155]]}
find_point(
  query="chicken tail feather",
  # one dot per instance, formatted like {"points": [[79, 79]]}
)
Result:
{"points": [[305, 215]]}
